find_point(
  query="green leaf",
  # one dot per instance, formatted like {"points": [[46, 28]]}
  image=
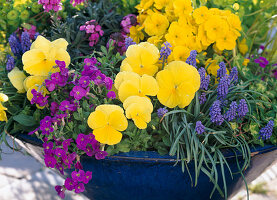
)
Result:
{"points": [[25, 120]]}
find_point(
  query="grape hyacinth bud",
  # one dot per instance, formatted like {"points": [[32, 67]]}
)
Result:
{"points": [[25, 42], [232, 112], [205, 80], [242, 108], [36, 35], [165, 51], [266, 132], [234, 75], [222, 71], [10, 63], [191, 60], [199, 128], [128, 42], [215, 113], [202, 98], [161, 112], [15, 45], [223, 87]]}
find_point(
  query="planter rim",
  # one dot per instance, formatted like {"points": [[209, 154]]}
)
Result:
{"points": [[148, 156]]}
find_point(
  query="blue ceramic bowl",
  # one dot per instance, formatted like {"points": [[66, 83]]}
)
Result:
{"points": [[148, 176]]}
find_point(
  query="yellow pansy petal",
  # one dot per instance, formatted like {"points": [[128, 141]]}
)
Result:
{"points": [[3, 116], [16, 78], [118, 121], [3, 97], [140, 123], [168, 97], [125, 66], [2, 107], [33, 80], [123, 76], [107, 135], [165, 79], [33, 61], [62, 55], [97, 119], [60, 43], [138, 100], [41, 43], [149, 85], [152, 49], [127, 89], [109, 108]]}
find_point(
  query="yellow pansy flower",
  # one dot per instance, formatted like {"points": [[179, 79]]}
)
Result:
{"points": [[130, 84], [106, 121], [182, 7], [3, 116], [35, 82], [41, 57], [138, 109], [142, 59], [136, 34], [178, 83], [17, 77], [155, 24], [201, 14], [243, 48]]}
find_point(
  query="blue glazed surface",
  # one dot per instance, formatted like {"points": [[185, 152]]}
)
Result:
{"points": [[149, 176]]}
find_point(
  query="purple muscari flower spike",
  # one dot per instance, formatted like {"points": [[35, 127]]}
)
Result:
{"points": [[266, 132], [222, 71], [165, 51], [205, 80], [232, 112], [36, 35], [223, 87], [191, 60], [202, 98], [10, 63], [128, 42], [25, 41], [161, 112], [215, 113], [242, 108], [199, 127], [15, 45], [234, 75]]}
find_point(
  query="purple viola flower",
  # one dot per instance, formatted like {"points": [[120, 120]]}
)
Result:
{"points": [[90, 61], [78, 92], [70, 184], [67, 161], [266, 132], [78, 176], [215, 113], [84, 81], [59, 79], [48, 147], [87, 177], [32, 132], [191, 60], [78, 165], [54, 108], [50, 161], [222, 71], [50, 85], [262, 61], [161, 112], [89, 150], [111, 95], [232, 112], [66, 105], [66, 144], [79, 188], [108, 83], [81, 141], [38, 98], [60, 152], [199, 127], [60, 168], [60, 191], [99, 155], [165, 51], [242, 109]]}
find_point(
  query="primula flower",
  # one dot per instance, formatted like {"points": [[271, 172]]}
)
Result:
{"points": [[131, 84], [178, 83], [136, 34], [138, 109], [16, 78], [142, 59], [225, 41], [178, 35], [201, 14], [180, 53], [156, 24], [43, 54], [215, 26], [106, 122], [182, 7], [243, 47]]}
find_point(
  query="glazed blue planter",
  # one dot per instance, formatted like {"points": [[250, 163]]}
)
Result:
{"points": [[147, 175]]}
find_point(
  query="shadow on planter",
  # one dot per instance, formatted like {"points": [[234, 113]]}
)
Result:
{"points": [[144, 175]]}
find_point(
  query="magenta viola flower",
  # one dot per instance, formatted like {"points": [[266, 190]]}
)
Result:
{"points": [[38, 98], [50, 85], [48, 147], [87, 177], [62, 66], [101, 155], [108, 83], [79, 188], [60, 152], [54, 108], [84, 81], [60, 168], [59, 189], [78, 165], [70, 184], [50, 161], [32, 132], [78, 92], [67, 161], [262, 61], [90, 61], [66, 105], [78, 176], [81, 141], [89, 150], [66, 144], [111, 95]]}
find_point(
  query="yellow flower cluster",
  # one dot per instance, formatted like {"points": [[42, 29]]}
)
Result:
{"points": [[185, 29], [140, 78], [3, 98]]}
